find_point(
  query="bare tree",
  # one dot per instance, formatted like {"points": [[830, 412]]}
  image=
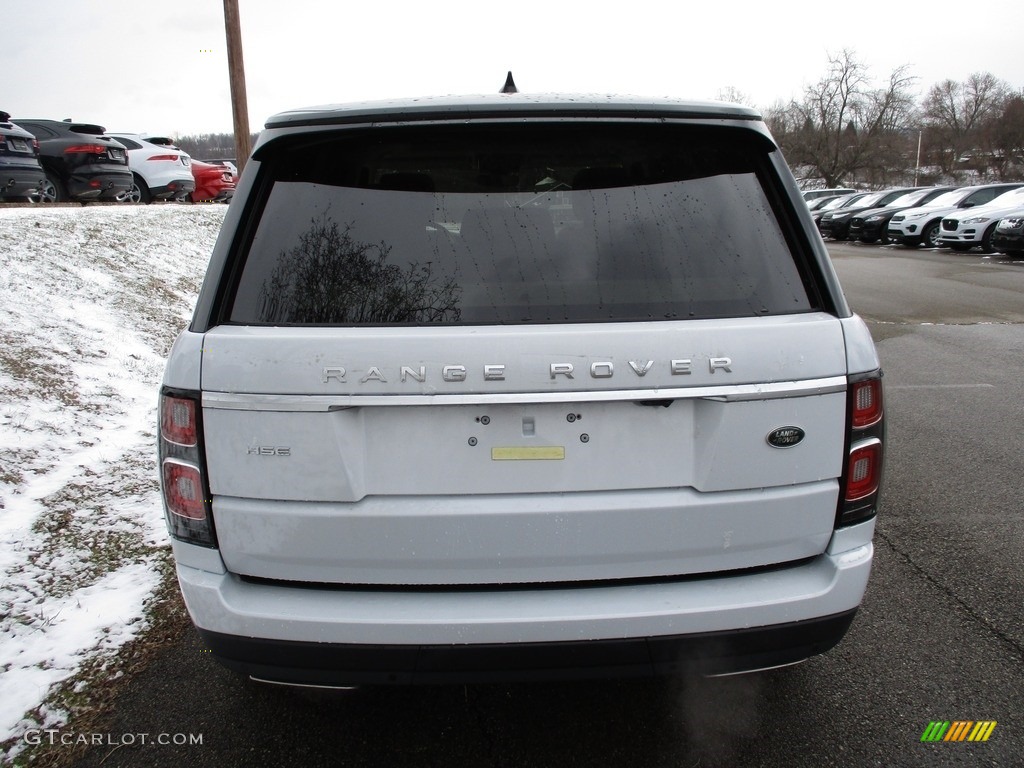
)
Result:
{"points": [[211, 145], [331, 278], [735, 95], [1008, 137], [843, 125], [957, 114]]}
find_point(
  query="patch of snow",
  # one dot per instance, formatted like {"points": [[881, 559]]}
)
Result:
{"points": [[92, 299]]}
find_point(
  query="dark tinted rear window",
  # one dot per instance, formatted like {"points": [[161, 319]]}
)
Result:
{"points": [[536, 224]]}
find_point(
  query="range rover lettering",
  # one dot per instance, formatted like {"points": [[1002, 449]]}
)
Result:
{"points": [[518, 387]]}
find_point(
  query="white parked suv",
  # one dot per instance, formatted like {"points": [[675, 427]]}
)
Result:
{"points": [[160, 170], [922, 225], [519, 386], [974, 227]]}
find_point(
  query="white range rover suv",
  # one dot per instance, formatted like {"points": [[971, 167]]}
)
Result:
{"points": [[515, 387]]}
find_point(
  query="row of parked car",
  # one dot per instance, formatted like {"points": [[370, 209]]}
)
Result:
{"points": [[985, 216], [61, 160]]}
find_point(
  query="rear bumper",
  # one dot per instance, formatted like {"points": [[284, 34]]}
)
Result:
{"points": [[176, 188], [718, 624], [19, 182], [207, 196], [99, 186], [707, 653]]}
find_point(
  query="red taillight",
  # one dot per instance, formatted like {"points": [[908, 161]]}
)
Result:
{"points": [[183, 490], [186, 492], [86, 149], [178, 420], [867, 403], [172, 158], [864, 470], [865, 435]]}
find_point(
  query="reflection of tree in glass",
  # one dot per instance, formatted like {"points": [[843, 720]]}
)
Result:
{"points": [[331, 278]]}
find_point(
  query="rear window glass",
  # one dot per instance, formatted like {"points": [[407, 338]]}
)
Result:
{"points": [[537, 224]]}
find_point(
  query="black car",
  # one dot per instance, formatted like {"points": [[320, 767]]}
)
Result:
{"points": [[20, 172], [836, 224], [80, 162], [869, 226], [1008, 236]]}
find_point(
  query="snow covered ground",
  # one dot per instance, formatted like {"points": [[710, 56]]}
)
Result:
{"points": [[91, 299]]}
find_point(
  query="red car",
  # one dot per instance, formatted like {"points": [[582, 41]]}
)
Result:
{"points": [[214, 183]]}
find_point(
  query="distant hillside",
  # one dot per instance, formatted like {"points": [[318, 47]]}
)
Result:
{"points": [[210, 146]]}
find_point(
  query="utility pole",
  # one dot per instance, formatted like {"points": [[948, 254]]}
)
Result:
{"points": [[917, 168], [236, 75]]}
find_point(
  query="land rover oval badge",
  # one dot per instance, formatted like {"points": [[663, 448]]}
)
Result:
{"points": [[785, 437]]}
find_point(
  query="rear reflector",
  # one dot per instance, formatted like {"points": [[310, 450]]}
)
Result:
{"points": [[183, 490], [88, 149], [864, 472], [865, 435]]}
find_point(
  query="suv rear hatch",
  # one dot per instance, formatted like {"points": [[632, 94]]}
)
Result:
{"points": [[520, 354]]}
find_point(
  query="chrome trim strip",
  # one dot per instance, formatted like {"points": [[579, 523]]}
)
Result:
{"points": [[751, 671], [310, 686], [233, 401], [862, 444]]}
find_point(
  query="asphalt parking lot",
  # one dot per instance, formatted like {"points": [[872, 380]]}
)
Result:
{"points": [[940, 635]]}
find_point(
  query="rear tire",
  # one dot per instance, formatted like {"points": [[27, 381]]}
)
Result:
{"points": [[139, 192], [52, 191]]}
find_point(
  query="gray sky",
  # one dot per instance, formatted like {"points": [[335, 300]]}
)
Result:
{"points": [[161, 67]]}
